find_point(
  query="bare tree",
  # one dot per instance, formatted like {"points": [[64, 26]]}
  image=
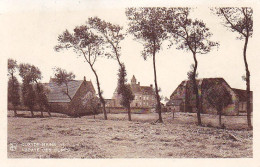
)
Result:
{"points": [[191, 35], [146, 24], [113, 35], [218, 97], [240, 20], [61, 76], [85, 43], [13, 85]]}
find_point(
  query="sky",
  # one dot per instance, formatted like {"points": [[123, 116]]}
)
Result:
{"points": [[29, 33]]}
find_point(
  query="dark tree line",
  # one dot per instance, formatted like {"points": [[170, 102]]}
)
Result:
{"points": [[13, 85], [32, 90]]}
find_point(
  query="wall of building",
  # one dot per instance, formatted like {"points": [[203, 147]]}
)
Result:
{"points": [[143, 100], [189, 105], [60, 108], [76, 105]]}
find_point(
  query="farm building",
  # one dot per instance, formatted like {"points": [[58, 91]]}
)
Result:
{"points": [[183, 99], [80, 91]]}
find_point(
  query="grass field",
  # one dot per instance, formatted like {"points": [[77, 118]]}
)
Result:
{"points": [[60, 136]]}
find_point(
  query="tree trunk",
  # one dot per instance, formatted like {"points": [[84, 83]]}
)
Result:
{"points": [[172, 114], [219, 118], [15, 112], [32, 113], [158, 108], [248, 105], [49, 112], [195, 86], [100, 94], [129, 113], [48, 108], [41, 113], [67, 91]]}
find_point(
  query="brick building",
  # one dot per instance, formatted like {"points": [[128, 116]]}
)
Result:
{"points": [[78, 91], [144, 95]]}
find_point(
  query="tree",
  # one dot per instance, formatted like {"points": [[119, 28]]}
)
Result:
{"points": [[125, 91], [90, 103], [13, 85], [190, 35], [29, 96], [87, 44], [146, 24], [28, 92], [41, 98], [61, 76], [41, 92], [113, 35], [218, 97], [240, 20], [32, 75]]}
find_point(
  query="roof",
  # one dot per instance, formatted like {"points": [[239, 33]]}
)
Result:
{"points": [[241, 94], [56, 92], [147, 89], [142, 89], [204, 82]]}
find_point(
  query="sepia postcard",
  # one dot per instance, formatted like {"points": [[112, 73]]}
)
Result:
{"points": [[129, 83]]}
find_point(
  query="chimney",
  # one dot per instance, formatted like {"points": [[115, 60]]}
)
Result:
{"points": [[84, 78], [139, 83], [151, 85]]}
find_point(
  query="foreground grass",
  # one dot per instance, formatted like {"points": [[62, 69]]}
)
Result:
{"points": [[63, 137]]}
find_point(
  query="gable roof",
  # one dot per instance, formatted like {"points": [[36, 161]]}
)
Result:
{"points": [[147, 90], [203, 82], [241, 94], [56, 92]]}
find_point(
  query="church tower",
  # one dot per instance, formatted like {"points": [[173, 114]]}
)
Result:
{"points": [[133, 80]]}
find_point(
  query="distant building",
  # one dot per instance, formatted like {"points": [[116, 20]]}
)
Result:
{"points": [[110, 102], [183, 98], [144, 95], [78, 91]]}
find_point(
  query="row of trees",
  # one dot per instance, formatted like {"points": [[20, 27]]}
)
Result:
{"points": [[32, 90], [153, 26], [34, 94]]}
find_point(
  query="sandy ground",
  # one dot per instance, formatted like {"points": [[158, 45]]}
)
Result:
{"points": [[60, 136]]}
